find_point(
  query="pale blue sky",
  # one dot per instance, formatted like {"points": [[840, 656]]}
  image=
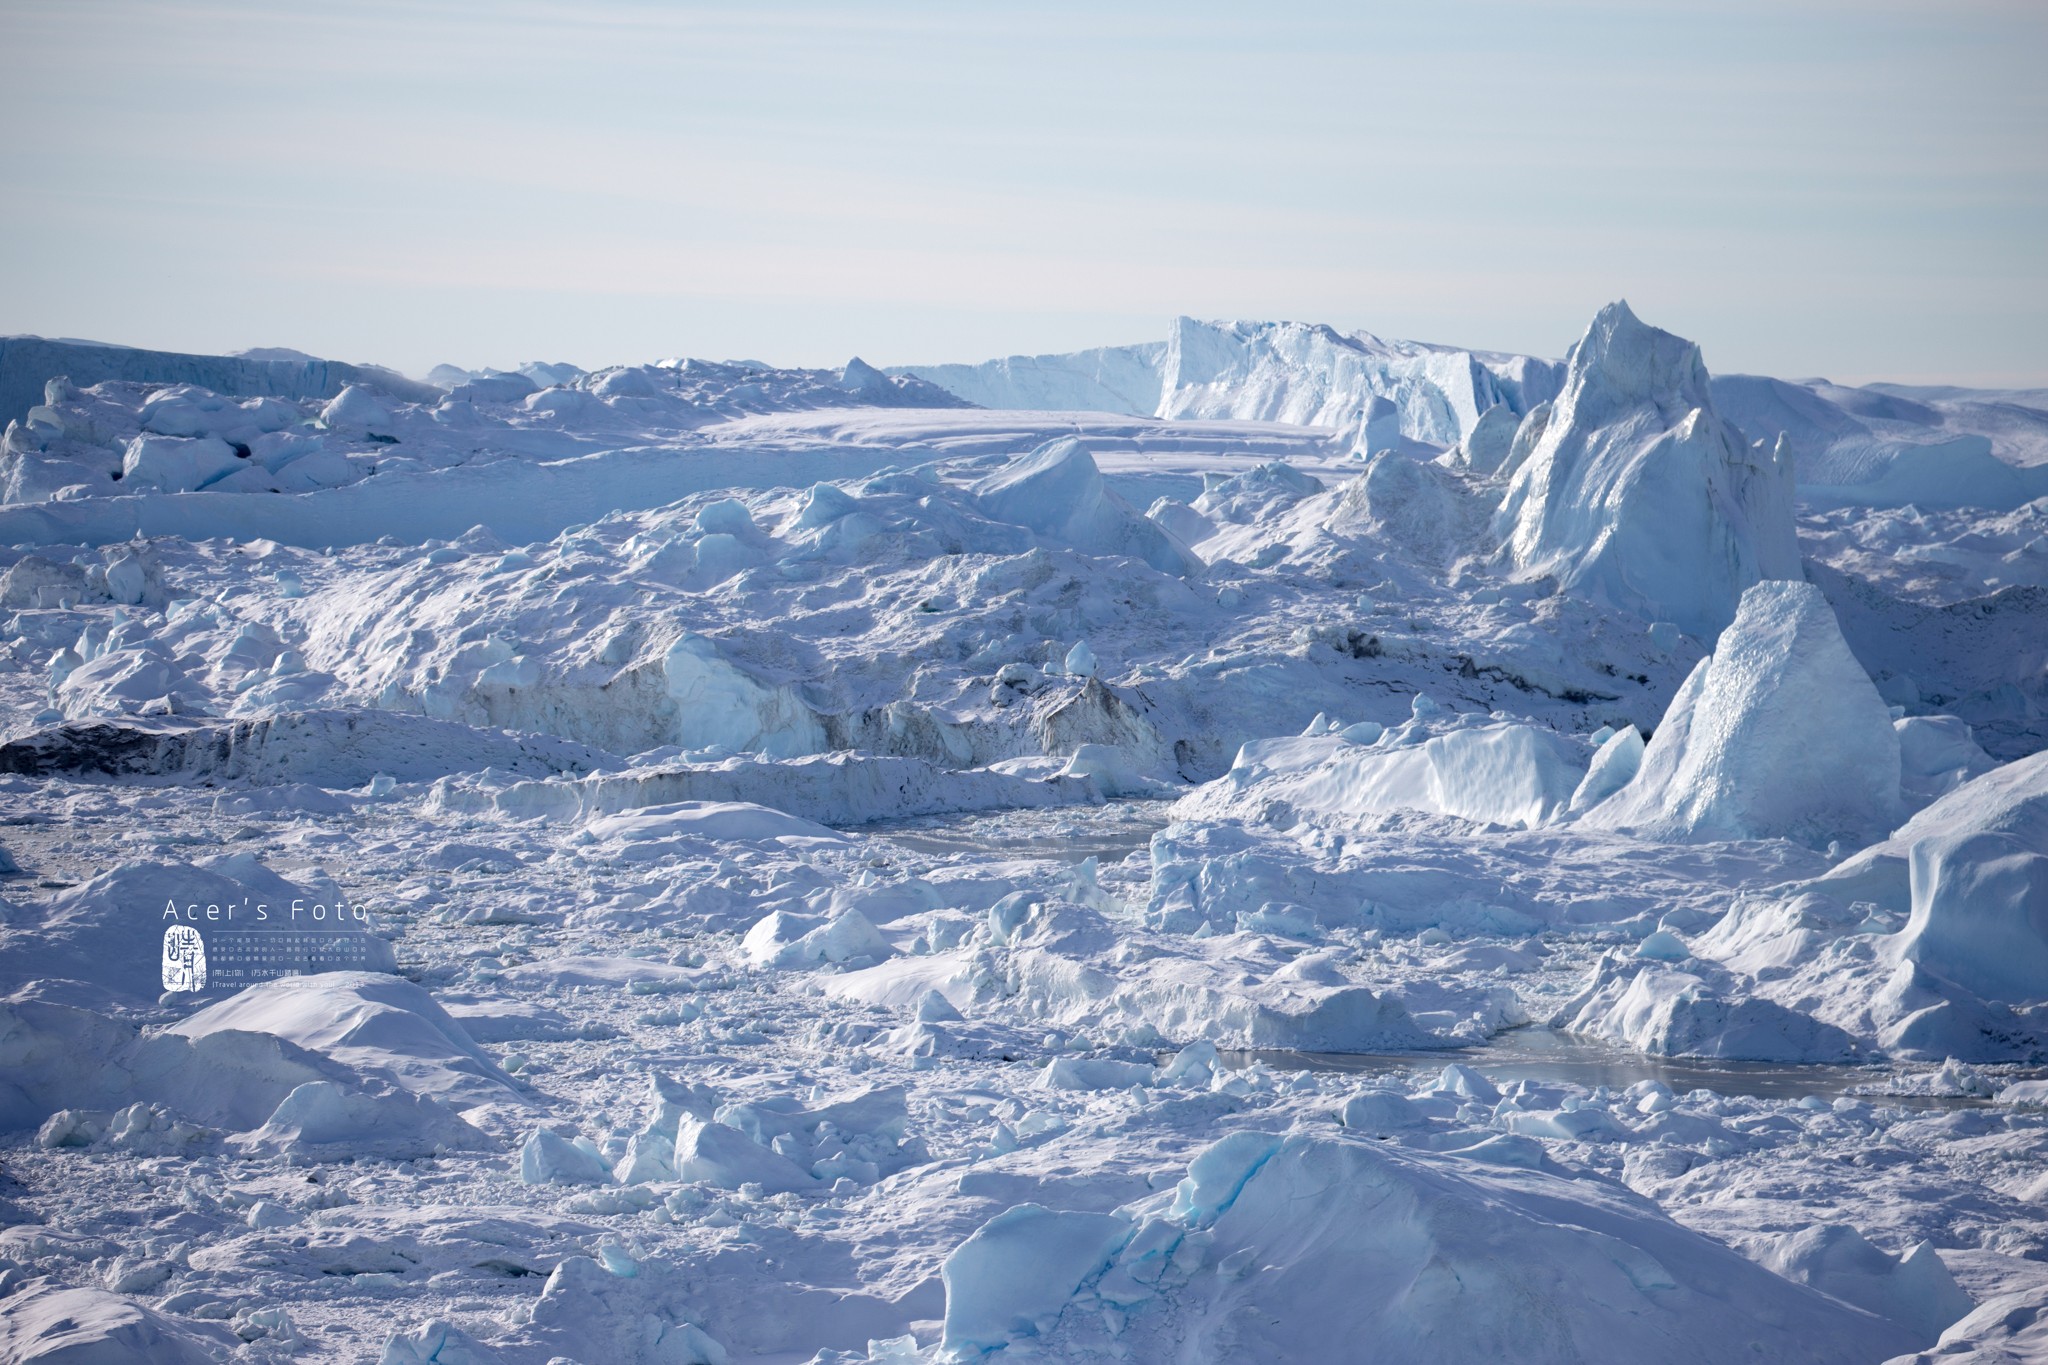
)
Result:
{"points": [[1855, 190]]}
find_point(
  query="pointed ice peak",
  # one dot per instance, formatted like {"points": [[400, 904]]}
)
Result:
{"points": [[863, 378], [1779, 734], [1625, 361], [1632, 490], [1045, 487]]}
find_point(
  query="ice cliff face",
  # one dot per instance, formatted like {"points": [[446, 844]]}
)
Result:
{"points": [[1265, 371], [1121, 379], [1314, 375], [1631, 489], [27, 362], [1884, 445]]}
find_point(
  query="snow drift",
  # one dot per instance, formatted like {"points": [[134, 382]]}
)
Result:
{"points": [[378, 1026], [108, 932], [44, 1324]]}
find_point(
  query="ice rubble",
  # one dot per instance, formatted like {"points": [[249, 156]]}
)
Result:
{"points": [[1235, 994], [1038, 957], [1779, 734], [1634, 490], [1929, 944], [582, 772], [572, 658], [510, 678], [714, 821]]}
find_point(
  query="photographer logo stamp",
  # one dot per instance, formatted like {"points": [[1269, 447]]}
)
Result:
{"points": [[184, 959]]}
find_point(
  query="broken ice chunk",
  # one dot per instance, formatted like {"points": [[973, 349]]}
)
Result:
{"points": [[551, 1159]]}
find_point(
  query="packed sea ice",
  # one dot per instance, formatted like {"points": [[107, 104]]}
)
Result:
{"points": [[1269, 845]]}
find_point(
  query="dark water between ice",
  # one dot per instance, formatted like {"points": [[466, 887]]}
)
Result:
{"points": [[1552, 1056], [1113, 831], [1068, 834]]}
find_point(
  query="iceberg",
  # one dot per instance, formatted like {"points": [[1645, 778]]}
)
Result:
{"points": [[1275, 1246], [1058, 491], [1267, 371], [1637, 493], [1780, 734], [1496, 773], [850, 888]]}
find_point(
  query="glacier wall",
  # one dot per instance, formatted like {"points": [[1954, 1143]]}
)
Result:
{"points": [[26, 363], [1303, 373]]}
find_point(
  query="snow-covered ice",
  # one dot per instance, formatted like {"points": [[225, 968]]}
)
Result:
{"points": [[1192, 851]]}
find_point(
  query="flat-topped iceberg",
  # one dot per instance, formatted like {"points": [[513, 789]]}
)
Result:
{"points": [[1502, 773]]}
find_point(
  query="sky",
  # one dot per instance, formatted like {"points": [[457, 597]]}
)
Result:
{"points": [[1807, 188]]}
